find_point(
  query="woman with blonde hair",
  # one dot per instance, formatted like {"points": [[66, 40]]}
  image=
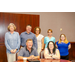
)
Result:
{"points": [[12, 42], [63, 45]]}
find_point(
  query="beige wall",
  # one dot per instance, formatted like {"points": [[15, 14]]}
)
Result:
{"points": [[55, 21]]}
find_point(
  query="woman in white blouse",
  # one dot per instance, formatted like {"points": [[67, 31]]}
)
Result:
{"points": [[40, 39], [51, 52]]}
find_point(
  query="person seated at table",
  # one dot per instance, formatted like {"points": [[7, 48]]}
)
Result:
{"points": [[51, 52], [29, 51]]}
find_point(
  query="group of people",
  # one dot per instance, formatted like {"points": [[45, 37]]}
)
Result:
{"points": [[29, 45]]}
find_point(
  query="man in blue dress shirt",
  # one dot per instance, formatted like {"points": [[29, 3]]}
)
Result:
{"points": [[28, 35]]}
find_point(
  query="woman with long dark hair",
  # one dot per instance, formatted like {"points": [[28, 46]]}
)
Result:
{"points": [[51, 51]]}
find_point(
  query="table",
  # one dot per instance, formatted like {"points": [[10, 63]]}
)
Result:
{"points": [[49, 60]]}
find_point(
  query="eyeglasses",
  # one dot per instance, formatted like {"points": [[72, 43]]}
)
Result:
{"points": [[37, 29]]}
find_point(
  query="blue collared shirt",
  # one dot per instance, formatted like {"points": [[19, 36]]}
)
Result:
{"points": [[24, 52], [12, 41], [24, 36]]}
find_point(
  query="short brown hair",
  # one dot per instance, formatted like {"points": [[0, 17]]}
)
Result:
{"points": [[29, 25], [29, 40], [10, 25], [49, 30], [36, 28]]}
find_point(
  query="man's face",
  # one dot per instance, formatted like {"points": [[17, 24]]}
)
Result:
{"points": [[28, 29], [29, 44]]}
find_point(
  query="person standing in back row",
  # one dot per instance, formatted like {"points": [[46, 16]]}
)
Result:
{"points": [[49, 38], [40, 39], [12, 42], [28, 35], [63, 45]]}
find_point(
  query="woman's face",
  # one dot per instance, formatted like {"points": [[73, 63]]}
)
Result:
{"points": [[11, 28], [49, 33], [37, 30], [62, 37], [51, 46]]}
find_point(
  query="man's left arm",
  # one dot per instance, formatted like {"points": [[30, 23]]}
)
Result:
{"points": [[36, 56], [35, 42]]}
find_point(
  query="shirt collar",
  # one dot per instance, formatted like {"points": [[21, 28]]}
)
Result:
{"points": [[13, 33], [27, 33], [28, 50]]}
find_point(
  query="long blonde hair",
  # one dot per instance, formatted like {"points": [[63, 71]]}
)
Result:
{"points": [[65, 41]]}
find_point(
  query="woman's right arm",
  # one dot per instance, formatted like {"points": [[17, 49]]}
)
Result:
{"points": [[6, 43], [56, 44], [46, 54]]}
